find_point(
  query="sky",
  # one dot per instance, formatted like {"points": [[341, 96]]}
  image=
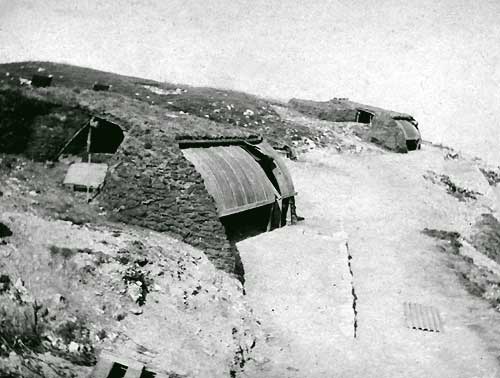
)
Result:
{"points": [[438, 60]]}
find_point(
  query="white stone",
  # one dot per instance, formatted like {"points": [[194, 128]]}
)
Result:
{"points": [[73, 347]]}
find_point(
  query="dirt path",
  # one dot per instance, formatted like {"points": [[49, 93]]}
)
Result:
{"points": [[303, 310], [382, 203]]}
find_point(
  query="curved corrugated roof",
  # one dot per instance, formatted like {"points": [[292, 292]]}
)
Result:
{"points": [[233, 178], [410, 131]]}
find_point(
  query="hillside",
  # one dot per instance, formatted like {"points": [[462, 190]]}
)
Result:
{"points": [[152, 184], [235, 110], [146, 269]]}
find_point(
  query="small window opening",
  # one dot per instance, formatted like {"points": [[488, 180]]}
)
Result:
{"points": [[117, 371]]}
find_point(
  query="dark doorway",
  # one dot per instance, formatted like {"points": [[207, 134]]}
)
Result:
{"points": [[105, 138], [364, 116], [248, 223], [147, 374], [413, 145], [117, 371]]}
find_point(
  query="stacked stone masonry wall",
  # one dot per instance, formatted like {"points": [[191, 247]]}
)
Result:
{"points": [[154, 186]]}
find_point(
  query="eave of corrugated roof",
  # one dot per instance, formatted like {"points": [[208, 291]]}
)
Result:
{"points": [[233, 178]]}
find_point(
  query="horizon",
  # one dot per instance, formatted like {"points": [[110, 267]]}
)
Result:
{"points": [[438, 61]]}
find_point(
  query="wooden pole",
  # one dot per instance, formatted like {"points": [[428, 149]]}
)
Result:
{"points": [[89, 158], [71, 140]]}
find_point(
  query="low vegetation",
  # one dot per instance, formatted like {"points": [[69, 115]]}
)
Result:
{"points": [[451, 240], [493, 176], [487, 237], [462, 194], [478, 280]]}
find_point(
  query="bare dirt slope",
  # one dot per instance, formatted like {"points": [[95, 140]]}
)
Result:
{"points": [[68, 292], [382, 202]]}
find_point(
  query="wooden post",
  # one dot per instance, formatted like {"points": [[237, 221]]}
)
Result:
{"points": [[89, 158], [270, 220], [71, 140]]}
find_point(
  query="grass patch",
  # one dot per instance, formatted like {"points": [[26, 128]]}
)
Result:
{"points": [[493, 177], [462, 194], [451, 237], [478, 281], [487, 238]]}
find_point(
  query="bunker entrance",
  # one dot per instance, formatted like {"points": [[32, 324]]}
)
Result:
{"points": [[98, 136], [94, 143], [117, 371], [248, 223], [249, 183], [412, 145], [363, 116]]}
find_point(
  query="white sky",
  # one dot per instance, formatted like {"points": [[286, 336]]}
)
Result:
{"points": [[436, 59]]}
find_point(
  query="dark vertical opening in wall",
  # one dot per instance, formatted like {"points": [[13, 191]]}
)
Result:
{"points": [[364, 117], [247, 223], [147, 374], [412, 145], [117, 371], [106, 137]]}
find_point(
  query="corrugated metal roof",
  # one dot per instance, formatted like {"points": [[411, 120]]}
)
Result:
{"points": [[280, 172], [410, 131], [233, 178], [425, 318], [89, 175]]}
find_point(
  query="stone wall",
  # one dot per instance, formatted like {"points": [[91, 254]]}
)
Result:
{"points": [[152, 185]]}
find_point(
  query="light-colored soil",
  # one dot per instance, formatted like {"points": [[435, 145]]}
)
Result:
{"points": [[380, 202], [303, 310], [194, 321]]}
